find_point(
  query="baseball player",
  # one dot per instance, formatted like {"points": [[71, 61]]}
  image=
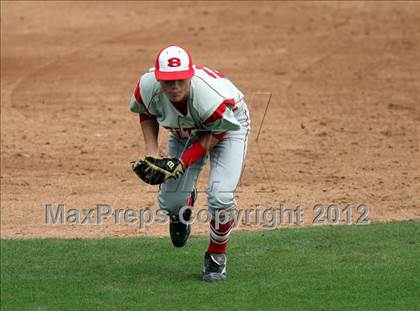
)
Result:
{"points": [[208, 119]]}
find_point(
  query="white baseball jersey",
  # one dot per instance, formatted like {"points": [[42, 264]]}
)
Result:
{"points": [[212, 100]]}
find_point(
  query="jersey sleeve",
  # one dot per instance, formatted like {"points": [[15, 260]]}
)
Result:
{"points": [[137, 105], [221, 119]]}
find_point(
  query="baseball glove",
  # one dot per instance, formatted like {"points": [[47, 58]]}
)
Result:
{"points": [[157, 170]]}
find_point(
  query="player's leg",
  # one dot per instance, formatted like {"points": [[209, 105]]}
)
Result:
{"points": [[227, 160], [177, 193], [174, 194]]}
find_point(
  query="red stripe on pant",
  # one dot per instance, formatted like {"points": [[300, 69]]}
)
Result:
{"points": [[219, 238]]}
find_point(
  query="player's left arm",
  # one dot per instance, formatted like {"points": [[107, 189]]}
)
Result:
{"points": [[199, 148], [217, 121], [208, 141]]}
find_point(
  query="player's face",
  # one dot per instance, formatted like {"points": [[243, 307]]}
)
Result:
{"points": [[176, 90]]}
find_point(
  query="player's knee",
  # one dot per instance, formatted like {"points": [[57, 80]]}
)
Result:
{"points": [[171, 201], [221, 200]]}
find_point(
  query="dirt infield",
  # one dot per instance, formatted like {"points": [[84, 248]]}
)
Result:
{"points": [[342, 126]]}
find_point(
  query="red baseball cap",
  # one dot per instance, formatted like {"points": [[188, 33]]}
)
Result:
{"points": [[173, 63]]}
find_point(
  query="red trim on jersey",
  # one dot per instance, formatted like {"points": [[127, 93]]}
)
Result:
{"points": [[137, 94], [230, 102], [211, 72], [189, 129], [206, 71], [219, 73], [139, 100], [193, 154], [218, 113], [145, 117]]}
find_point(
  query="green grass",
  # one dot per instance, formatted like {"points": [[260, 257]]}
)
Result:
{"points": [[319, 268]]}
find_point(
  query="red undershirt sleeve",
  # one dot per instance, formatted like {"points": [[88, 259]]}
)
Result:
{"points": [[196, 151], [145, 117], [193, 154]]}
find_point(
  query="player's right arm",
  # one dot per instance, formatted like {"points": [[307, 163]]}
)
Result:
{"points": [[148, 122], [150, 129]]}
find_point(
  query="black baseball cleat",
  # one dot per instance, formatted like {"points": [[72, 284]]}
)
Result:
{"points": [[214, 267], [179, 231]]}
